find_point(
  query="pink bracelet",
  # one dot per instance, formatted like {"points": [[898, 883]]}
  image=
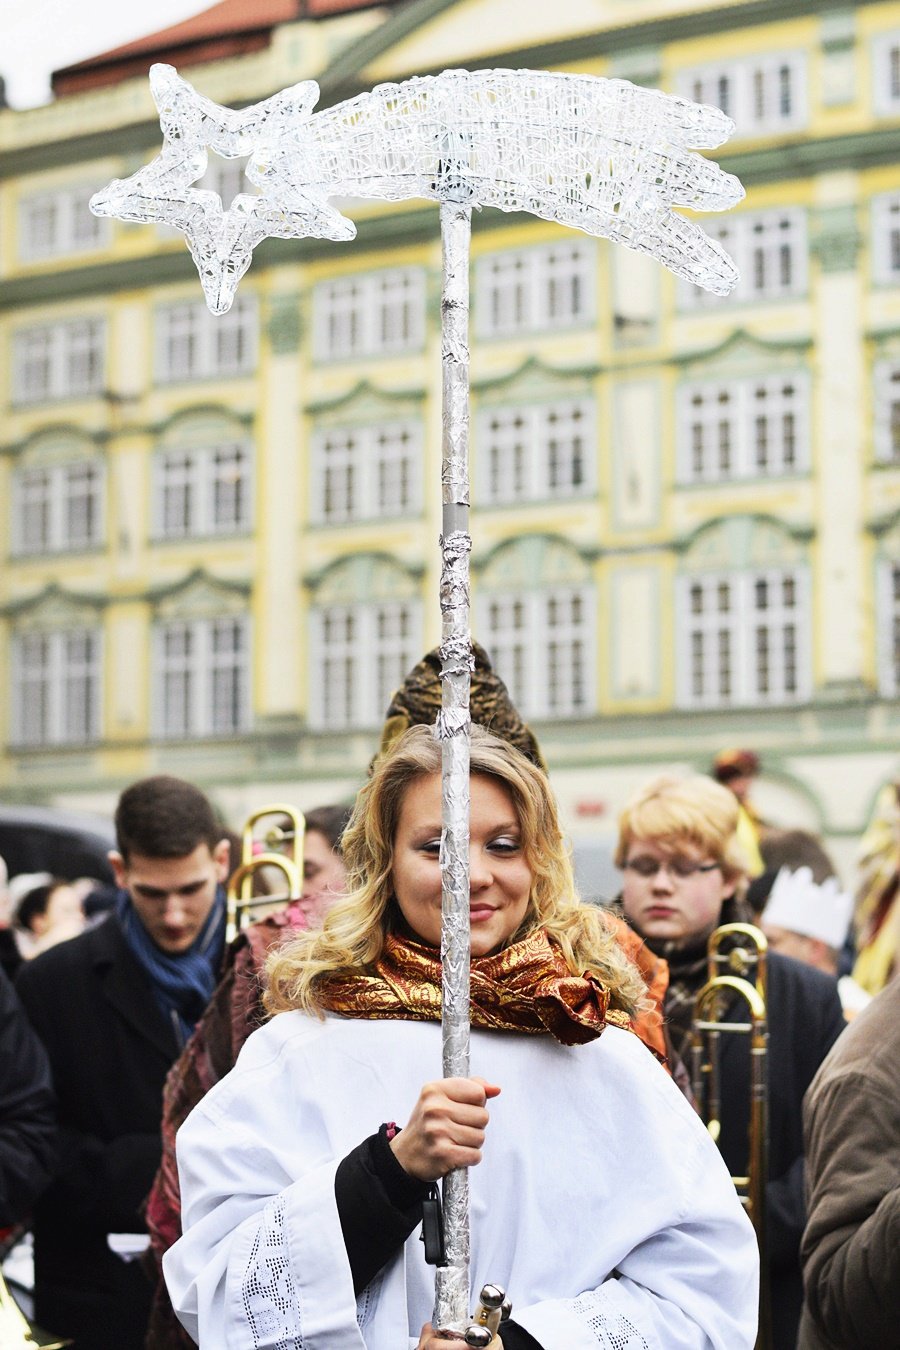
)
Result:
{"points": [[391, 1129]]}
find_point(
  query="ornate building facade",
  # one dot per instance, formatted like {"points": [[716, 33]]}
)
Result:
{"points": [[219, 535]]}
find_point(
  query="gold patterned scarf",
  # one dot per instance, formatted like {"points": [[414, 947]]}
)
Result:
{"points": [[526, 987]]}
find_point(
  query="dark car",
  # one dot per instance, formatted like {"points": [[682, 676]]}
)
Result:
{"points": [[69, 844]]}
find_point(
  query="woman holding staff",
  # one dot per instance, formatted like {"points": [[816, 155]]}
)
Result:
{"points": [[597, 1198]]}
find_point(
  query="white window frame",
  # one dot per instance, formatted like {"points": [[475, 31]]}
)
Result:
{"points": [[753, 408], [355, 672], [59, 360], [886, 73], [367, 472], [196, 471], [746, 90], [771, 252], [888, 599], [57, 691], [369, 314], [516, 447], [193, 344], [59, 222], [547, 287], [886, 238], [51, 492], [887, 412], [719, 649], [547, 666], [196, 714]]}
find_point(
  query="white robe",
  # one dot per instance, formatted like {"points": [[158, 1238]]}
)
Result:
{"points": [[600, 1204]]}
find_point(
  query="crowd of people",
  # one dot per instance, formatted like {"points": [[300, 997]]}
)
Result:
{"points": [[236, 1143]]}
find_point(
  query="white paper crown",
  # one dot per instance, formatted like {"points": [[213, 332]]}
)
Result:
{"points": [[798, 904]]}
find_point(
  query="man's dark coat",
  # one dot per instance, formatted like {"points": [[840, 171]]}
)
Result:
{"points": [[110, 1049], [27, 1117]]}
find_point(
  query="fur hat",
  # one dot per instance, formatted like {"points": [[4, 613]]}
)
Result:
{"points": [[418, 701]]}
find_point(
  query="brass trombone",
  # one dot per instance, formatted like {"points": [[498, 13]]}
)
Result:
{"points": [[16, 1333], [241, 904], [737, 971]]}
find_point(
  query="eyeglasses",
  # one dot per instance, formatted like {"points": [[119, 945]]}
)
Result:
{"points": [[645, 866]]}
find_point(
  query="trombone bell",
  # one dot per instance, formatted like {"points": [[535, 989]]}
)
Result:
{"points": [[16, 1333], [282, 849]]}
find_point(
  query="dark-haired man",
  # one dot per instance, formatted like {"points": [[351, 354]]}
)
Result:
{"points": [[114, 1008]]}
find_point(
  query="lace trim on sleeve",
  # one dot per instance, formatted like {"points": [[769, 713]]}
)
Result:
{"points": [[611, 1329], [268, 1291], [367, 1302]]}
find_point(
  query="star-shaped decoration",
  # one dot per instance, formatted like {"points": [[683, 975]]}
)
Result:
{"points": [[221, 241]]}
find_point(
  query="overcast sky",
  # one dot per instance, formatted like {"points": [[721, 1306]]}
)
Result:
{"points": [[38, 36]]}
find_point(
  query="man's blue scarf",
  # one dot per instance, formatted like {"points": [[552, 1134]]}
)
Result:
{"points": [[182, 982]]}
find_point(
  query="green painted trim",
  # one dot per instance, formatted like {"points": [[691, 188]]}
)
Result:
{"points": [[150, 273], [199, 574], [534, 364], [879, 526], [880, 334], [402, 21], [311, 581], [801, 534], [803, 156], [341, 78], [12, 449], [360, 390], [798, 159], [587, 554], [132, 138], [222, 410], [739, 335], [53, 591]]}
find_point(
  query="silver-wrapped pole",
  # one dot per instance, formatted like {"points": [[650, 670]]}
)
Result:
{"points": [[451, 1309]]}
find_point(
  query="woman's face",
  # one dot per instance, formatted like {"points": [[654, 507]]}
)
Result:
{"points": [[499, 877]]}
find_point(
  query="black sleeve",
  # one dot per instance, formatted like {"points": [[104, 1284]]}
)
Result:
{"points": [[28, 1135], [515, 1337], [379, 1205]]}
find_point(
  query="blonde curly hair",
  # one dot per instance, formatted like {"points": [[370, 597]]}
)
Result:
{"points": [[352, 937]]}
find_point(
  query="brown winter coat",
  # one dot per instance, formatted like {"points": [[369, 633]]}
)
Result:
{"points": [[851, 1246]]}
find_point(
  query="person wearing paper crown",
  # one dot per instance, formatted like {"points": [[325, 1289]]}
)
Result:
{"points": [[810, 922]]}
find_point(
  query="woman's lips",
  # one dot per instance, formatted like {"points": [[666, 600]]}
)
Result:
{"points": [[478, 913]]}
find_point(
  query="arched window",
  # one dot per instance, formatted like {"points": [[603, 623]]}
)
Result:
{"points": [[365, 635], [56, 654], [58, 496], [203, 478], [536, 615], [201, 661], [743, 618]]}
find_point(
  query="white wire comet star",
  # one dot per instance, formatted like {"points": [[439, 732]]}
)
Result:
{"points": [[603, 156], [221, 241], [597, 155]]}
